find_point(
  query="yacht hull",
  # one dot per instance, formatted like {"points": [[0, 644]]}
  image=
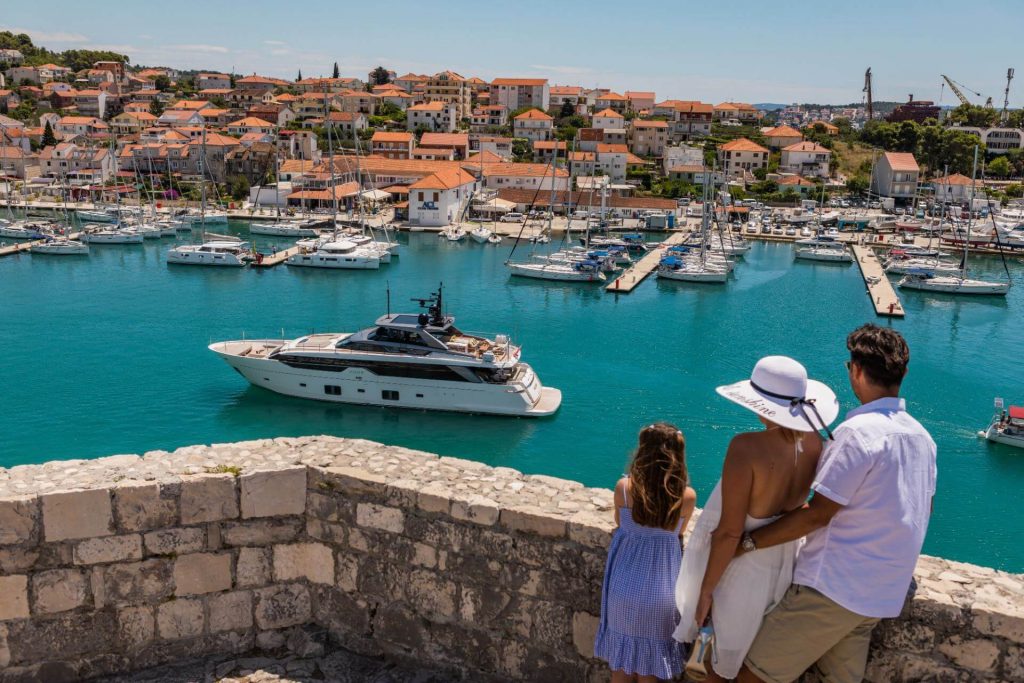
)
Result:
{"points": [[554, 272], [282, 230], [334, 262], [69, 248], [953, 285], [997, 435], [360, 386], [198, 258]]}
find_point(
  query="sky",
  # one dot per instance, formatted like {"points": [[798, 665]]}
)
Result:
{"points": [[783, 52]]}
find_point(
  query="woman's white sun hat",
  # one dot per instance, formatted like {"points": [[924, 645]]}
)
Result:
{"points": [[778, 390]]}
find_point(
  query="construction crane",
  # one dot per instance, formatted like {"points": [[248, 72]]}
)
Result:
{"points": [[867, 90], [956, 91], [1006, 96]]}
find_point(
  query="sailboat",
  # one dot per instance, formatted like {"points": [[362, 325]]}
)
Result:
{"points": [[334, 251], [546, 268], [279, 227], [482, 234], [929, 281], [685, 266], [59, 244]]}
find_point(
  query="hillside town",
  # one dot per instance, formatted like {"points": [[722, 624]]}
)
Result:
{"points": [[101, 129]]}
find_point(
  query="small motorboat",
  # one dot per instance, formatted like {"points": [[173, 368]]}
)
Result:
{"points": [[1007, 426], [453, 233], [481, 234]]}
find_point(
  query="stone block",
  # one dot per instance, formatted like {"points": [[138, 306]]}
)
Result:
{"points": [[347, 572], [141, 507], [13, 597], [260, 531], [109, 549], [592, 529], [59, 590], [476, 509], [230, 611], [253, 567], [281, 606], [380, 517], [179, 619], [424, 555], [77, 514], [272, 493], [353, 481], [200, 573], [584, 630], [174, 541], [533, 521], [431, 595], [1005, 623], [972, 653], [434, 498], [136, 625], [208, 498], [19, 519], [137, 582], [311, 561]]}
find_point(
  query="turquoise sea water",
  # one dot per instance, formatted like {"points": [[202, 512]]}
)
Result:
{"points": [[107, 354]]}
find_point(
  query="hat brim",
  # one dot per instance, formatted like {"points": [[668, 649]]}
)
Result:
{"points": [[780, 411]]}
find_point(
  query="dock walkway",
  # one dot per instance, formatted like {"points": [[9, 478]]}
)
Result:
{"points": [[274, 259], [19, 247], [628, 281], [883, 295]]}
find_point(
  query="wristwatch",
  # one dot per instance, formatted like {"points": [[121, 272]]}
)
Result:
{"points": [[748, 543]]}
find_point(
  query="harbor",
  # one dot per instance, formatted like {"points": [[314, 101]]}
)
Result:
{"points": [[648, 263]]}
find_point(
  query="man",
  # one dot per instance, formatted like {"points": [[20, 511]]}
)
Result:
{"points": [[865, 526]]}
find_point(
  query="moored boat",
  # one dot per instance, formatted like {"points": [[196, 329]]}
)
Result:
{"points": [[1007, 426]]}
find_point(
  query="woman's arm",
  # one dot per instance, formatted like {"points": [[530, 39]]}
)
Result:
{"points": [[619, 497], [737, 480], [689, 505]]}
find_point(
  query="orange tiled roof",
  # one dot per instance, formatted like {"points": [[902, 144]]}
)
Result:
{"points": [[955, 179], [446, 179], [535, 115], [609, 114], [519, 81], [387, 136], [783, 132], [444, 140], [807, 146], [902, 161], [641, 123], [742, 145]]}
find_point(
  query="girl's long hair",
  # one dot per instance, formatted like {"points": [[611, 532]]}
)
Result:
{"points": [[658, 476]]}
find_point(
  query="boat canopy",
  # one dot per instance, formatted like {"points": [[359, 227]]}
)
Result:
{"points": [[672, 261], [1016, 413]]}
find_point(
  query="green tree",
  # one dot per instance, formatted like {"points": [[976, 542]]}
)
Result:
{"points": [[26, 111], [231, 80], [299, 76], [1000, 167], [858, 184], [337, 72], [156, 108], [521, 149], [162, 83], [239, 187], [567, 110], [973, 115], [380, 76], [49, 139]]}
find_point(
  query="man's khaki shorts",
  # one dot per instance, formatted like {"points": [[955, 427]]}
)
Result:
{"points": [[807, 627]]}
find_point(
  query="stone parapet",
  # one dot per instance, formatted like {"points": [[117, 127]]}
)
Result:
{"points": [[123, 563]]}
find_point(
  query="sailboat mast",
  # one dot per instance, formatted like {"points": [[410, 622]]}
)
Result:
{"points": [[202, 188], [330, 165], [970, 215]]}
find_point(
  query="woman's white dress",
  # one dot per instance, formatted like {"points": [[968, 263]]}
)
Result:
{"points": [[751, 586]]}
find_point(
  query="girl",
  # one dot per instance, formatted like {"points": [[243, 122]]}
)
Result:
{"points": [[653, 504]]}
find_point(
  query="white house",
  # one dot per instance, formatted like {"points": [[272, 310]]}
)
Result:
{"points": [[648, 138], [524, 177], [440, 117], [998, 140], [895, 175], [739, 157], [682, 155], [533, 125], [808, 159], [955, 188], [438, 198], [516, 93], [608, 118]]}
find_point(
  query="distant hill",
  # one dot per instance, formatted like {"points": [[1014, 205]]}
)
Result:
{"points": [[769, 106]]}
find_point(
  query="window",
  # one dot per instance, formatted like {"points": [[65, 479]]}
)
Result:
{"points": [[332, 390], [421, 196], [389, 395]]}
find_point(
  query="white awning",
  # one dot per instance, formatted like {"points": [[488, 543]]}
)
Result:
{"points": [[375, 195], [495, 206]]}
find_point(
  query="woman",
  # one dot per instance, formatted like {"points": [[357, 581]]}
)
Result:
{"points": [[765, 474], [653, 504]]}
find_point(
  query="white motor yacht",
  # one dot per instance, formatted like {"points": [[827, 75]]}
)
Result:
{"points": [[826, 254], [60, 246], [282, 229], [340, 254], [481, 234], [928, 281], [405, 360], [227, 253], [1007, 426]]}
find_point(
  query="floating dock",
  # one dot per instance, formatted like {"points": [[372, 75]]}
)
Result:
{"points": [[274, 259], [883, 295], [628, 281]]}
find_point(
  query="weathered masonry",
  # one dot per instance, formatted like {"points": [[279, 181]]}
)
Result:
{"points": [[127, 562]]}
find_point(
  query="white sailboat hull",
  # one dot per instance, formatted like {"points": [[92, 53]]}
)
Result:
{"points": [[694, 275], [96, 216], [335, 261], [955, 285], [190, 257], [824, 255], [554, 271], [113, 238], [361, 386], [61, 248], [282, 230]]}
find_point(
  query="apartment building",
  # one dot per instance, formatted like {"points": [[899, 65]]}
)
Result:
{"points": [[450, 88], [807, 159], [648, 138], [896, 175], [393, 145], [516, 93], [533, 125], [433, 116], [688, 119], [741, 157]]}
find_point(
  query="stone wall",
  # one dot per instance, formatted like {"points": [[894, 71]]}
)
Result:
{"points": [[128, 562]]}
